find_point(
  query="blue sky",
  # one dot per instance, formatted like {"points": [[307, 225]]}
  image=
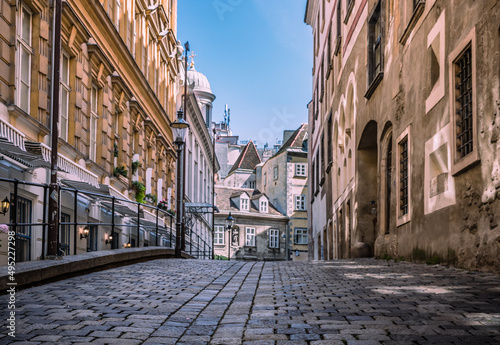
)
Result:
{"points": [[257, 56]]}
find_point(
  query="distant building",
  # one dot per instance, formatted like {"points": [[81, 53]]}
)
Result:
{"points": [[259, 228], [200, 162], [242, 173], [284, 179]]}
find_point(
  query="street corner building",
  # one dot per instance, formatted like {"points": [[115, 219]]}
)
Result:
{"points": [[403, 131], [118, 85]]}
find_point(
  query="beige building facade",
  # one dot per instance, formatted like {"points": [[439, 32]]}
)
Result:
{"points": [[119, 78], [403, 131]]}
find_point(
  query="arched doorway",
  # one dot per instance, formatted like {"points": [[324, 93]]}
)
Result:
{"points": [[367, 188]]}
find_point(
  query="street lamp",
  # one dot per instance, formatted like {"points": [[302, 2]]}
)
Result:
{"points": [[229, 226], [179, 129]]}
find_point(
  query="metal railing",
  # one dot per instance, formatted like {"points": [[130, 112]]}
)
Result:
{"points": [[23, 210]]}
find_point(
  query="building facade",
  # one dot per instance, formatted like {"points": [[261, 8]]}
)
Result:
{"points": [[283, 178], [258, 232], [201, 163], [119, 66], [403, 130]]}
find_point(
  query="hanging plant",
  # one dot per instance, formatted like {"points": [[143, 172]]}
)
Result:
{"points": [[115, 149], [120, 171], [140, 189], [135, 165]]}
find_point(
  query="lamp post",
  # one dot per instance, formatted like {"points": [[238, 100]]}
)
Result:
{"points": [[229, 226], [179, 129]]}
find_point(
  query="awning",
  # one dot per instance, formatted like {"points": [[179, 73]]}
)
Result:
{"points": [[35, 154], [120, 208], [200, 207]]}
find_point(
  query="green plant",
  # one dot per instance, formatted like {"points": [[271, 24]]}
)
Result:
{"points": [[115, 149], [152, 197], [220, 257], [135, 165], [139, 188], [120, 171]]}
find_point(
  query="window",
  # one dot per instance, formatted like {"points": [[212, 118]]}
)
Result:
{"points": [[276, 169], [300, 236], [274, 238], [339, 28], [208, 119], [23, 232], [252, 184], [93, 123], [349, 6], [219, 234], [300, 202], [329, 141], [300, 169], [375, 51], [24, 51], [250, 237], [322, 152], [403, 177], [263, 206], [322, 76], [244, 204], [64, 101], [463, 104], [313, 180], [64, 233], [317, 173], [117, 14], [265, 179]]}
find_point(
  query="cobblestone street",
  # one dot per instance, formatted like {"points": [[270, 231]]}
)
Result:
{"points": [[193, 302]]}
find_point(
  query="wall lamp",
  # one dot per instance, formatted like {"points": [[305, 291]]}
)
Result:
{"points": [[85, 232], [109, 239], [5, 206]]}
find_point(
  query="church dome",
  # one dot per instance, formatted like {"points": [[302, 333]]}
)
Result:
{"points": [[199, 80]]}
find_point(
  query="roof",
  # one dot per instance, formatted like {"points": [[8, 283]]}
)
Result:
{"points": [[296, 141], [224, 203], [239, 193], [248, 158]]}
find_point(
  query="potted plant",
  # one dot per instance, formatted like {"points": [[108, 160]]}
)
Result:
{"points": [[120, 171], [135, 165], [151, 197], [140, 189]]}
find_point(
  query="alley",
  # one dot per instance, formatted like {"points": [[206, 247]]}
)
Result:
{"points": [[191, 302]]}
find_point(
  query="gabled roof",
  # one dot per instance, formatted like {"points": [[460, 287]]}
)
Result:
{"points": [[247, 159], [296, 140], [239, 193], [224, 202]]}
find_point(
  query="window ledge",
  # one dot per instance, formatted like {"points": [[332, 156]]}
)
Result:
{"points": [[374, 84], [417, 12], [465, 163], [349, 11]]}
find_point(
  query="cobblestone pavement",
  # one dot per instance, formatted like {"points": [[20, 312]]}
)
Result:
{"points": [[354, 302]]}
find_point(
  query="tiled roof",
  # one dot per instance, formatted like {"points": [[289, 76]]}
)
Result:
{"points": [[296, 140], [248, 158], [224, 203]]}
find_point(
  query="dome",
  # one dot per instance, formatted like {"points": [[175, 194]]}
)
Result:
{"points": [[199, 80]]}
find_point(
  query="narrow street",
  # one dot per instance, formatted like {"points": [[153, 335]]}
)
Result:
{"points": [[191, 302]]}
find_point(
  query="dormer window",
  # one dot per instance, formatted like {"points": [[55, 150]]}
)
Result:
{"points": [[244, 204], [263, 206]]}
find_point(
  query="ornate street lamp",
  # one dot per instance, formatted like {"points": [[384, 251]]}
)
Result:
{"points": [[179, 129], [229, 227], [5, 206]]}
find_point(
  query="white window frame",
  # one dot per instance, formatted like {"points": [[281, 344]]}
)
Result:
{"points": [[64, 100], [300, 202], [23, 46], [94, 96], [274, 238], [263, 206], [250, 237], [403, 219], [244, 204], [303, 235], [276, 172], [301, 169], [219, 238]]}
